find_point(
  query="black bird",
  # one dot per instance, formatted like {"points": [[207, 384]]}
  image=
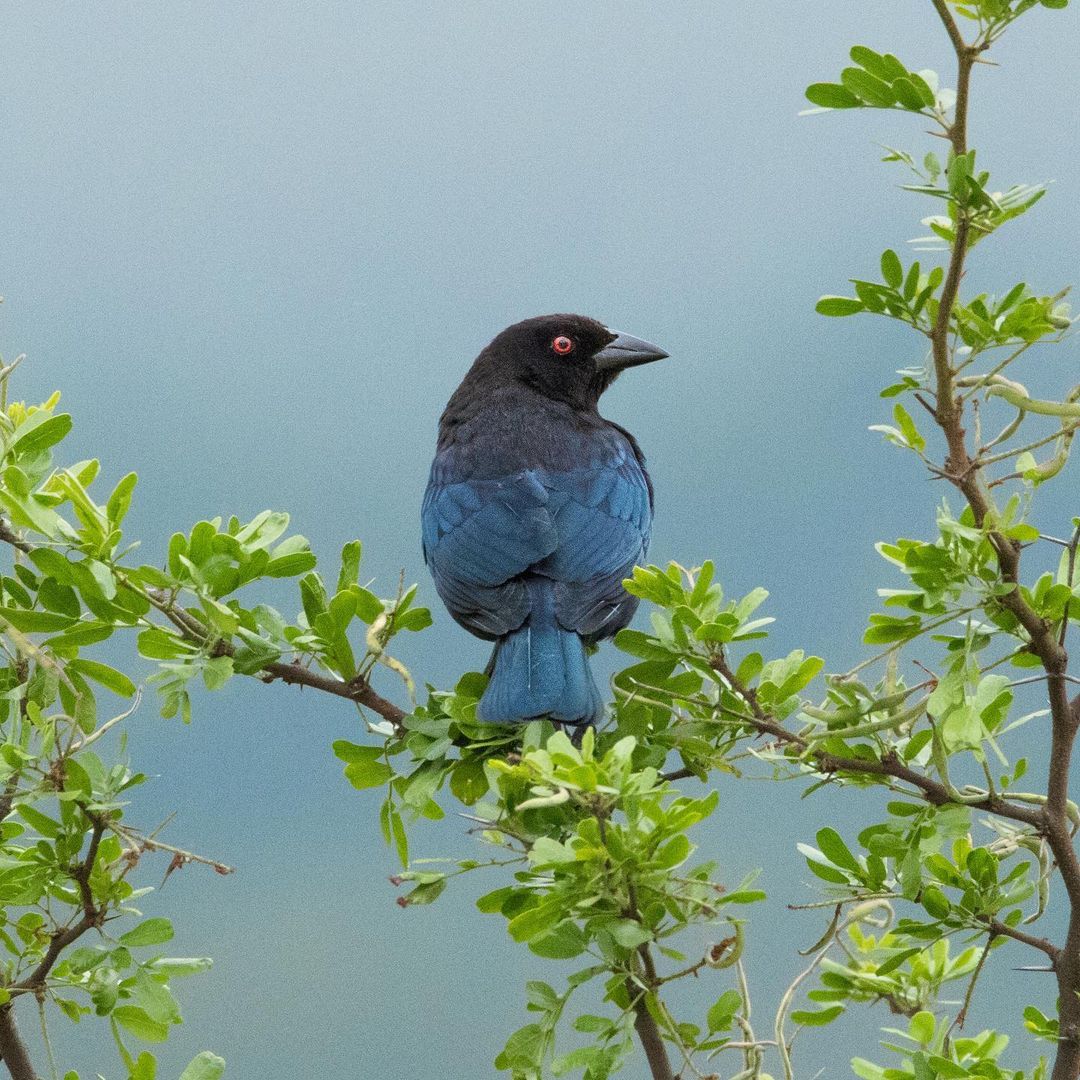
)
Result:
{"points": [[536, 509]]}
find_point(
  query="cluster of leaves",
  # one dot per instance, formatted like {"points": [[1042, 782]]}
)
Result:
{"points": [[606, 849], [880, 81], [929, 1048], [78, 586], [982, 880], [598, 843], [72, 936]]}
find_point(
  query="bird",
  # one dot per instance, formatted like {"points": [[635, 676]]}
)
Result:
{"points": [[536, 510]]}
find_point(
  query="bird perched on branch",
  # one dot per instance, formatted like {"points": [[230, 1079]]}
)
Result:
{"points": [[536, 510]]}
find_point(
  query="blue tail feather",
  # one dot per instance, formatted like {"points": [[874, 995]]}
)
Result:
{"points": [[541, 669]]}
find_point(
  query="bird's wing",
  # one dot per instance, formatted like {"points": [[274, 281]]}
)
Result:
{"points": [[479, 536], [603, 525]]}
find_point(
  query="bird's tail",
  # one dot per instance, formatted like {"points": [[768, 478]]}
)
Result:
{"points": [[541, 670]]}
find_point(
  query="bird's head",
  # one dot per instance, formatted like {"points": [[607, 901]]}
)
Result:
{"points": [[570, 358]]}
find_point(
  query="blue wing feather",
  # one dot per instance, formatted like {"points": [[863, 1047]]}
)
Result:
{"points": [[582, 529]]}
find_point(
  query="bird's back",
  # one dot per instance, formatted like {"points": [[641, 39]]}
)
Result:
{"points": [[525, 485]]}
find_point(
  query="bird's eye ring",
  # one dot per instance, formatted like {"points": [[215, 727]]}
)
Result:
{"points": [[562, 345]]}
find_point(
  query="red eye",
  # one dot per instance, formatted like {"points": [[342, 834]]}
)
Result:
{"points": [[562, 345]]}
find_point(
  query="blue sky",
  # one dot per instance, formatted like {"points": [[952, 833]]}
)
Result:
{"points": [[257, 245]]}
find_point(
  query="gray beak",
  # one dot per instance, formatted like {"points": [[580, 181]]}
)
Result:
{"points": [[626, 351]]}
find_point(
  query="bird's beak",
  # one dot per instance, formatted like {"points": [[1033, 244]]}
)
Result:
{"points": [[626, 351]]}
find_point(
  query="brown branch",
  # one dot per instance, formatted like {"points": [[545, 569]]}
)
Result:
{"points": [[9, 536], [91, 914], [140, 843], [999, 929], [639, 986], [679, 774], [13, 1049], [648, 1032], [952, 29], [294, 674], [1045, 644], [961, 1016], [889, 764], [359, 690]]}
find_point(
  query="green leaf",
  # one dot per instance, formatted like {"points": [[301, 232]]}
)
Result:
{"points": [[394, 830], [206, 1066], [836, 851], [524, 1050], [821, 869], [313, 596], [492, 902], [921, 1027], [145, 1067], [39, 821], [427, 892], [35, 436], [156, 998], [35, 622], [908, 94], [157, 643], [908, 428], [641, 645], [867, 87], [891, 269], [368, 606], [418, 618], [675, 851], [742, 896], [936, 902], [110, 678], [838, 306], [723, 1010], [564, 943], [468, 781], [298, 562], [896, 961], [365, 766], [547, 850], [832, 96], [818, 1018], [628, 933], [536, 920], [926, 92], [151, 932], [350, 565], [120, 500], [179, 966], [217, 672], [884, 66], [140, 1024]]}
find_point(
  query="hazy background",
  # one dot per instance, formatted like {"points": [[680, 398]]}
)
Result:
{"points": [[257, 245]]}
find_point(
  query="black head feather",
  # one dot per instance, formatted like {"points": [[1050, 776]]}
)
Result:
{"points": [[552, 354]]}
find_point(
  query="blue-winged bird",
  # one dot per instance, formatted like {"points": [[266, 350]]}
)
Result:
{"points": [[536, 510]]}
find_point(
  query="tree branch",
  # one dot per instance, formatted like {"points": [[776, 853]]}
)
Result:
{"points": [[91, 914], [295, 674], [999, 929], [967, 476], [13, 1049], [889, 765]]}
